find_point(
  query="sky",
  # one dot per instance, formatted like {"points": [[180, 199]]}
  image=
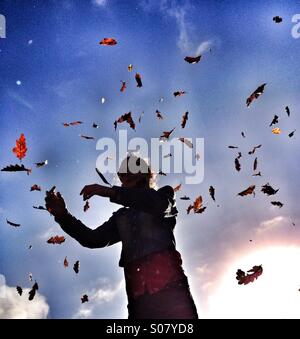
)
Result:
{"points": [[53, 70]]}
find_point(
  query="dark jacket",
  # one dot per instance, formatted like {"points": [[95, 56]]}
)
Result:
{"points": [[144, 225]]}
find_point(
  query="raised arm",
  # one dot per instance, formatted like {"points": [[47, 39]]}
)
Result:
{"points": [[160, 202], [105, 235]]}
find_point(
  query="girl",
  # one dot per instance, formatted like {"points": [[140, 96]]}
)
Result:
{"points": [[156, 285]]}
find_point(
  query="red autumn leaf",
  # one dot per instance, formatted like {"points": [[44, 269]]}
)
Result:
{"points": [[166, 134], [123, 87], [86, 206], [184, 119], [20, 149], [244, 279], [159, 115], [125, 117], [35, 187], [138, 80], [257, 93], [108, 42], [247, 191], [66, 263], [56, 240], [179, 93], [187, 142], [177, 188]]}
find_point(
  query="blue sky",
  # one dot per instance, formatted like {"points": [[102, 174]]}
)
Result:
{"points": [[64, 73]]}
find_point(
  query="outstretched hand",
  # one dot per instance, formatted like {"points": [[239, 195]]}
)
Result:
{"points": [[55, 203], [89, 191]]}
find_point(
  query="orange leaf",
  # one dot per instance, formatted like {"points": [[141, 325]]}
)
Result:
{"points": [[20, 149]]}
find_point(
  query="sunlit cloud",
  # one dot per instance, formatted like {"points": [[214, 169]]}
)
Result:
{"points": [[14, 306]]}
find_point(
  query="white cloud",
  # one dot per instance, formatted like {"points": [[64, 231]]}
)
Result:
{"points": [[99, 3], [272, 224], [180, 11], [14, 306], [97, 296]]}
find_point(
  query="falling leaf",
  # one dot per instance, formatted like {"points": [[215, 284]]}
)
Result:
{"points": [[138, 80], [30, 276], [276, 130], [268, 190], [12, 223], [237, 164], [167, 155], [244, 279], [108, 42], [196, 206], [102, 177], [255, 164], [233, 147], [186, 141], [257, 174], [197, 156], [123, 87], [277, 203], [184, 119], [243, 134], [76, 267], [125, 118], [86, 206], [35, 187], [130, 67], [192, 60], [84, 299], [19, 290], [277, 19], [161, 99], [247, 191], [33, 290], [40, 208], [166, 134], [66, 263], [86, 137], [95, 125], [177, 188], [254, 149], [41, 164], [16, 168], [274, 121], [292, 133], [73, 123], [185, 198], [258, 92], [159, 115], [20, 149], [179, 93], [288, 112], [56, 240], [160, 172], [212, 192], [239, 155]]}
